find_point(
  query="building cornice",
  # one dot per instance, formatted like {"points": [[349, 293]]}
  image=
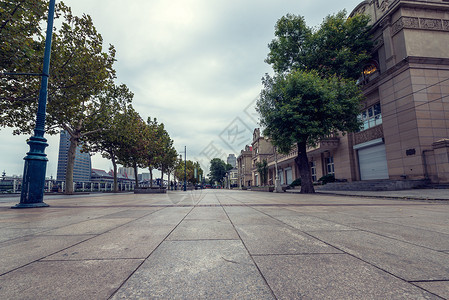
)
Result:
{"points": [[400, 67]]}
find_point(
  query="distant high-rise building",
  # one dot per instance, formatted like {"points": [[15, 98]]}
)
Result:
{"points": [[127, 172], [232, 160], [82, 167]]}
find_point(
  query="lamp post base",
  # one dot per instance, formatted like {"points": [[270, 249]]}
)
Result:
{"points": [[278, 187], [30, 205], [34, 175]]}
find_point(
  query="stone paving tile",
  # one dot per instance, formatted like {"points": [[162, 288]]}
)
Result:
{"points": [[273, 239], [196, 270], [425, 238], [340, 218], [66, 280], [407, 261], [25, 250], [132, 213], [95, 226], [165, 216], [332, 276], [278, 211], [431, 222], [207, 213], [7, 234], [310, 223], [204, 229], [246, 215], [440, 288], [129, 241]]}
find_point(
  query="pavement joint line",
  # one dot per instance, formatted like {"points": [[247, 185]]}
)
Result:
{"points": [[75, 244], [437, 280], [396, 239], [376, 233], [424, 289], [299, 254], [246, 205], [352, 255], [249, 253], [145, 259], [194, 240], [43, 233], [90, 259]]}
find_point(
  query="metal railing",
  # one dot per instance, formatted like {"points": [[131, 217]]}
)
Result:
{"points": [[52, 186]]}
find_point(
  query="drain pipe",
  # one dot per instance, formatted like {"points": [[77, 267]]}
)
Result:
{"points": [[424, 161]]}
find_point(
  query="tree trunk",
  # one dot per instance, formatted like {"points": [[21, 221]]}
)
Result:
{"points": [[114, 164], [136, 177], [70, 165], [151, 177], [303, 165], [168, 179], [162, 179]]}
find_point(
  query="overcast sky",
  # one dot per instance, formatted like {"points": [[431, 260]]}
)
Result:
{"points": [[195, 65]]}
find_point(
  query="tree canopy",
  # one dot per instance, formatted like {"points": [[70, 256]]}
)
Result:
{"points": [[339, 46], [114, 122], [313, 93], [190, 174], [218, 169]]}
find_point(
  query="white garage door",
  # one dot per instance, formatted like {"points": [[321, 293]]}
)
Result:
{"points": [[373, 162], [288, 175]]}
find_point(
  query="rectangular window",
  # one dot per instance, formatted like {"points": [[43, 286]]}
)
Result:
{"points": [[313, 170], [329, 161], [370, 117]]}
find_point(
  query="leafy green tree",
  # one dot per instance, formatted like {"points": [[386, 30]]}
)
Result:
{"points": [[80, 74], [339, 46], [190, 174], [302, 108], [217, 170], [168, 156], [313, 93], [21, 50], [155, 146], [262, 169], [133, 151], [112, 137]]}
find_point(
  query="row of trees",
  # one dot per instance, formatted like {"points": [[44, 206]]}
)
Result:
{"points": [[194, 173], [83, 98], [313, 92]]}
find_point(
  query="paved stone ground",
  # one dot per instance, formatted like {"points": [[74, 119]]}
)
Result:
{"points": [[217, 244]]}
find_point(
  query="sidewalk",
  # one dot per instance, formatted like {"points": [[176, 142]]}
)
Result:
{"points": [[224, 244], [417, 194]]}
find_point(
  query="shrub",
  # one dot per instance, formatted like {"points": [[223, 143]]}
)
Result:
{"points": [[327, 178], [296, 182]]}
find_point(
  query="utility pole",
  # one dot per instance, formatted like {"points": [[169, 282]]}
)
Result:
{"points": [[185, 168], [277, 184]]}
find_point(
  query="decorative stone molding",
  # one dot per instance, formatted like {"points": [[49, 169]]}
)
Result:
{"points": [[419, 23], [378, 43], [446, 25], [383, 4], [435, 24], [368, 135], [443, 143]]}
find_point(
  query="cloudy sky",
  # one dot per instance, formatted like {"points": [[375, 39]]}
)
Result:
{"points": [[195, 65]]}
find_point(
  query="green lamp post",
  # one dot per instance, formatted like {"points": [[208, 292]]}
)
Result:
{"points": [[33, 182]]}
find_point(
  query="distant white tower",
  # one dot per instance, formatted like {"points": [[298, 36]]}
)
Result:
{"points": [[232, 160]]}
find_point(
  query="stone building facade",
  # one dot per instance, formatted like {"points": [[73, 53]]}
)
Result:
{"points": [[408, 82], [244, 167], [405, 134]]}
